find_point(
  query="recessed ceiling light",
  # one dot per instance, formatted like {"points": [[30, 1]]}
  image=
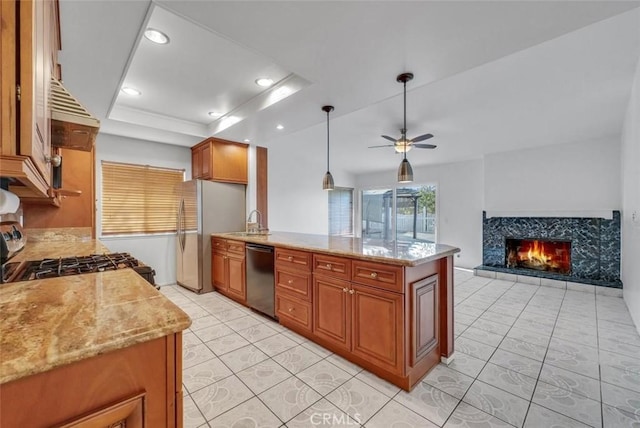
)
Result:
{"points": [[131, 91], [265, 82], [156, 36], [280, 127], [246, 140], [215, 114]]}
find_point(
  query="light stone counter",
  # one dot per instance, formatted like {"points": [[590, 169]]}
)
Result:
{"points": [[403, 253], [52, 322]]}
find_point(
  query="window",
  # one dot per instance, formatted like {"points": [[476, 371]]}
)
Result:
{"points": [[139, 198], [341, 211], [402, 214]]}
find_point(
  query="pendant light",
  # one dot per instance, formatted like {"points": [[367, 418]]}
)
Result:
{"points": [[405, 172], [327, 181]]}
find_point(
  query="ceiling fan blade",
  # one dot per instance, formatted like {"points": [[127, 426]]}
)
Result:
{"points": [[422, 137], [424, 146], [386, 145], [389, 138]]}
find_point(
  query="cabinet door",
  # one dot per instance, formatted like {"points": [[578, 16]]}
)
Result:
{"points": [[205, 162], [229, 161], [35, 80], [377, 327], [331, 311], [219, 271], [196, 163], [237, 283]]}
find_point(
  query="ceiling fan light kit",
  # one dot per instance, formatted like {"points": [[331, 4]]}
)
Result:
{"points": [[327, 181]]}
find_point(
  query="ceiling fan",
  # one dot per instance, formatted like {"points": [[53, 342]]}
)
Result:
{"points": [[404, 144]]}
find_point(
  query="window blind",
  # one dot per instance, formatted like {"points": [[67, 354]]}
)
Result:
{"points": [[139, 198], [341, 211]]}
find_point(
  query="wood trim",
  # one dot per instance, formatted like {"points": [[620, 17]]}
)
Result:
{"points": [[8, 101], [262, 185], [129, 412], [420, 320], [446, 307], [23, 169]]}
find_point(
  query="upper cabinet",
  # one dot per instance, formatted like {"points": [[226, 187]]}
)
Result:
{"points": [[32, 48], [220, 160]]}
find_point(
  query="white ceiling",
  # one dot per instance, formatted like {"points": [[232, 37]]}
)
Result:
{"points": [[489, 76]]}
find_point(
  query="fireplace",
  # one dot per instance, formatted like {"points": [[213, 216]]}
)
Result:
{"points": [[578, 249], [538, 254]]}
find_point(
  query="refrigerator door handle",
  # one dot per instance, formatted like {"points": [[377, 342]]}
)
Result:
{"points": [[181, 226]]}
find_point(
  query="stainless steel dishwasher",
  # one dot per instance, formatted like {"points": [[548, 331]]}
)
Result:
{"points": [[260, 283]]}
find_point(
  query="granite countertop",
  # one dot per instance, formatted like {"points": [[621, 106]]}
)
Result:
{"points": [[52, 322], [54, 249], [398, 253]]}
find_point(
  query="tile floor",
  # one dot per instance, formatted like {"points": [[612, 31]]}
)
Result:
{"points": [[525, 356]]}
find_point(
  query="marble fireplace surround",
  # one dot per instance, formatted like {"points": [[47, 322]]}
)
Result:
{"points": [[595, 245]]}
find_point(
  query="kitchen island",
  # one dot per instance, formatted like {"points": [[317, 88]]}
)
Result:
{"points": [[387, 307], [100, 348]]}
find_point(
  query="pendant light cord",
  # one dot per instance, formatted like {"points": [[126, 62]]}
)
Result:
{"points": [[327, 141], [404, 127]]}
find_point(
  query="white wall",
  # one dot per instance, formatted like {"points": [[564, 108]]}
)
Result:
{"points": [[157, 251], [630, 158], [582, 176], [297, 202], [459, 203]]}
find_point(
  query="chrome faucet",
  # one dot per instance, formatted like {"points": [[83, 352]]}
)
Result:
{"points": [[251, 228]]}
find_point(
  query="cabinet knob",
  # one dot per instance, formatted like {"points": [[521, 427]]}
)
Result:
{"points": [[345, 289], [328, 265], [291, 309], [290, 281], [351, 291], [290, 258], [373, 274]]}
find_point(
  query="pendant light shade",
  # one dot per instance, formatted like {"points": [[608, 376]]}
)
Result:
{"points": [[405, 172], [327, 181]]}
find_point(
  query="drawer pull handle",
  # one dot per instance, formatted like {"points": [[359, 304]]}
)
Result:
{"points": [[290, 258], [291, 309], [290, 281], [328, 265], [351, 291], [374, 275], [345, 289]]}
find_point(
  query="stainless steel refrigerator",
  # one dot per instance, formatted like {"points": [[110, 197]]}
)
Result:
{"points": [[204, 207]]}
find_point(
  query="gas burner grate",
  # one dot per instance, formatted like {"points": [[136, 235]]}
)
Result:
{"points": [[51, 268]]}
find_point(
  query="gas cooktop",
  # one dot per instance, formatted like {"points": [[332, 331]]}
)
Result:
{"points": [[51, 268]]}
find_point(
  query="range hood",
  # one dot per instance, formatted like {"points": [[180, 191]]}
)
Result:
{"points": [[72, 126]]}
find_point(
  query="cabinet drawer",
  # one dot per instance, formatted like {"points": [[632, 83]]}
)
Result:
{"points": [[218, 245], [293, 310], [338, 267], [296, 283], [293, 259], [378, 275], [235, 247]]}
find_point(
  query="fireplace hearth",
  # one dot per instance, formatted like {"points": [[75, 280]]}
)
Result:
{"points": [[576, 249], [539, 254]]}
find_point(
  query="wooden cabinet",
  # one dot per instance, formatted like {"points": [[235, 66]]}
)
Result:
{"points": [[31, 48], [332, 310], [139, 386], [378, 332], [228, 268], [220, 160], [293, 288]]}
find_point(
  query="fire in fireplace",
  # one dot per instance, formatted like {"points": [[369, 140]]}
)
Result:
{"points": [[539, 254]]}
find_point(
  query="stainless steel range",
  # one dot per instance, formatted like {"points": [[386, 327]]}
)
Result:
{"points": [[12, 240]]}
